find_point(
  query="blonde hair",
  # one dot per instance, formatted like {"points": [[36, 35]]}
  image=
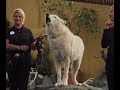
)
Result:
{"points": [[112, 7], [21, 12]]}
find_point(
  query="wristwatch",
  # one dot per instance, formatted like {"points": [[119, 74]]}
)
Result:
{"points": [[18, 48]]}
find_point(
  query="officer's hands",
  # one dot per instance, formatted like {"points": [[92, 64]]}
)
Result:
{"points": [[109, 24], [23, 47]]}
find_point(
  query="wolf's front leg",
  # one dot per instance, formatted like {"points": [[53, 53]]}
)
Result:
{"points": [[66, 70], [58, 71]]}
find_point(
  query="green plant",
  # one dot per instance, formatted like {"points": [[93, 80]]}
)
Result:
{"points": [[45, 1], [87, 18]]}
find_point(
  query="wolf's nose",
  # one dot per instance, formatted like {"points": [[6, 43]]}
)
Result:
{"points": [[47, 14], [47, 18]]}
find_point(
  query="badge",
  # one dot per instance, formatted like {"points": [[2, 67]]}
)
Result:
{"points": [[12, 32]]}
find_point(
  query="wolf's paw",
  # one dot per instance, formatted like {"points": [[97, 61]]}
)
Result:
{"points": [[57, 84], [63, 83], [76, 83], [79, 84]]}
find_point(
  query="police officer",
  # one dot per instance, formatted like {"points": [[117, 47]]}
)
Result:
{"points": [[108, 42], [19, 42]]}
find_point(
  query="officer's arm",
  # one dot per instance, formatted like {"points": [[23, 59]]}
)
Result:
{"points": [[15, 47], [11, 46], [33, 44]]}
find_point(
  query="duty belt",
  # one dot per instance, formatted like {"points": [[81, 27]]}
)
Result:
{"points": [[18, 55]]}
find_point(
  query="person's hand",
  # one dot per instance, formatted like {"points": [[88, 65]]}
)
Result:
{"points": [[109, 24], [23, 47]]}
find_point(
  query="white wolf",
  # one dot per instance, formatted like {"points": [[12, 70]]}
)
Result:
{"points": [[65, 46]]}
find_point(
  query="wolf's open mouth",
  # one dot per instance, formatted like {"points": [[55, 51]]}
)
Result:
{"points": [[47, 18]]}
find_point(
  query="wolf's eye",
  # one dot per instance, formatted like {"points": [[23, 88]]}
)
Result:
{"points": [[54, 17]]}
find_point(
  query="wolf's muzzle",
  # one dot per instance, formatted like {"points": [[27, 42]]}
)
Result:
{"points": [[47, 18]]}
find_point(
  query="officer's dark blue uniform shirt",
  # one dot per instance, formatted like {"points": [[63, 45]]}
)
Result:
{"points": [[22, 36]]}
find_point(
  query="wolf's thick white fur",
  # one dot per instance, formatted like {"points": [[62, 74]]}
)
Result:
{"points": [[65, 46]]}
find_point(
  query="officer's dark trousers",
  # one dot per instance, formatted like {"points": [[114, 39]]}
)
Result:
{"points": [[110, 72], [18, 72]]}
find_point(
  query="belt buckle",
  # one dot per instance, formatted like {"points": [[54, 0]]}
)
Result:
{"points": [[16, 55]]}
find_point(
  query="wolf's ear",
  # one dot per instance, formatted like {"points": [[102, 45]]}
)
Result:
{"points": [[64, 22]]}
